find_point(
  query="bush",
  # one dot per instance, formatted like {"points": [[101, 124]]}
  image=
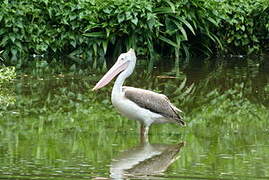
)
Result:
{"points": [[38, 27], [93, 28], [244, 25]]}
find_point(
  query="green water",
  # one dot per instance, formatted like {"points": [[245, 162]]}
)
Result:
{"points": [[57, 128]]}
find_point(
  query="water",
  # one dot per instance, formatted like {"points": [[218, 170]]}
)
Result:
{"points": [[59, 129]]}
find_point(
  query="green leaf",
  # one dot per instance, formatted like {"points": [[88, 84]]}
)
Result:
{"points": [[120, 18], [187, 24], [182, 85], [178, 37], [95, 34], [179, 26], [2, 31], [163, 10], [171, 5], [213, 21], [128, 15], [183, 33], [218, 41], [14, 52], [12, 37], [105, 43], [107, 11], [186, 50], [189, 89], [4, 41], [18, 44], [73, 43], [168, 41], [134, 21]]}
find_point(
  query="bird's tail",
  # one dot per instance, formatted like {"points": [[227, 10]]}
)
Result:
{"points": [[180, 121]]}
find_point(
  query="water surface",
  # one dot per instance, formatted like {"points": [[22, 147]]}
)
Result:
{"points": [[59, 129]]}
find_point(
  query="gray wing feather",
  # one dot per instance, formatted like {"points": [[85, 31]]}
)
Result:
{"points": [[154, 102]]}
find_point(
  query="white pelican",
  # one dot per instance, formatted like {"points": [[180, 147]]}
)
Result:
{"points": [[145, 106]]}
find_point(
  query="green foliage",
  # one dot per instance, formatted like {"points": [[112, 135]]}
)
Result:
{"points": [[122, 25], [187, 26], [41, 27], [89, 29], [7, 74], [244, 25]]}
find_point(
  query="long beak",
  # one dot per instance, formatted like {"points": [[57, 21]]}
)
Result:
{"points": [[114, 71]]}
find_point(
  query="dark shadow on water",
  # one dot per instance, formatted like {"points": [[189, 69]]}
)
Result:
{"points": [[144, 160]]}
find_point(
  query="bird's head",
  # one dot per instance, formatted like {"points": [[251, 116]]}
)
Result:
{"points": [[126, 61]]}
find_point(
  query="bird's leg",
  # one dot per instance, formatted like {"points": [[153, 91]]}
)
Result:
{"points": [[142, 129], [144, 133]]}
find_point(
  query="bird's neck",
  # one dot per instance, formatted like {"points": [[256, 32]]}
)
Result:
{"points": [[117, 88]]}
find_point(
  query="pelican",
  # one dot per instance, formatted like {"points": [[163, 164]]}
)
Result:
{"points": [[145, 106]]}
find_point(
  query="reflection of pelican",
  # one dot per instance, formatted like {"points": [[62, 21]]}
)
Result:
{"points": [[145, 159], [145, 106]]}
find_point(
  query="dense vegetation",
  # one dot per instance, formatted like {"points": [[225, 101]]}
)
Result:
{"points": [[94, 28]]}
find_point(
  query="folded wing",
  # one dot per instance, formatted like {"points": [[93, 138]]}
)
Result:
{"points": [[155, 102]]}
